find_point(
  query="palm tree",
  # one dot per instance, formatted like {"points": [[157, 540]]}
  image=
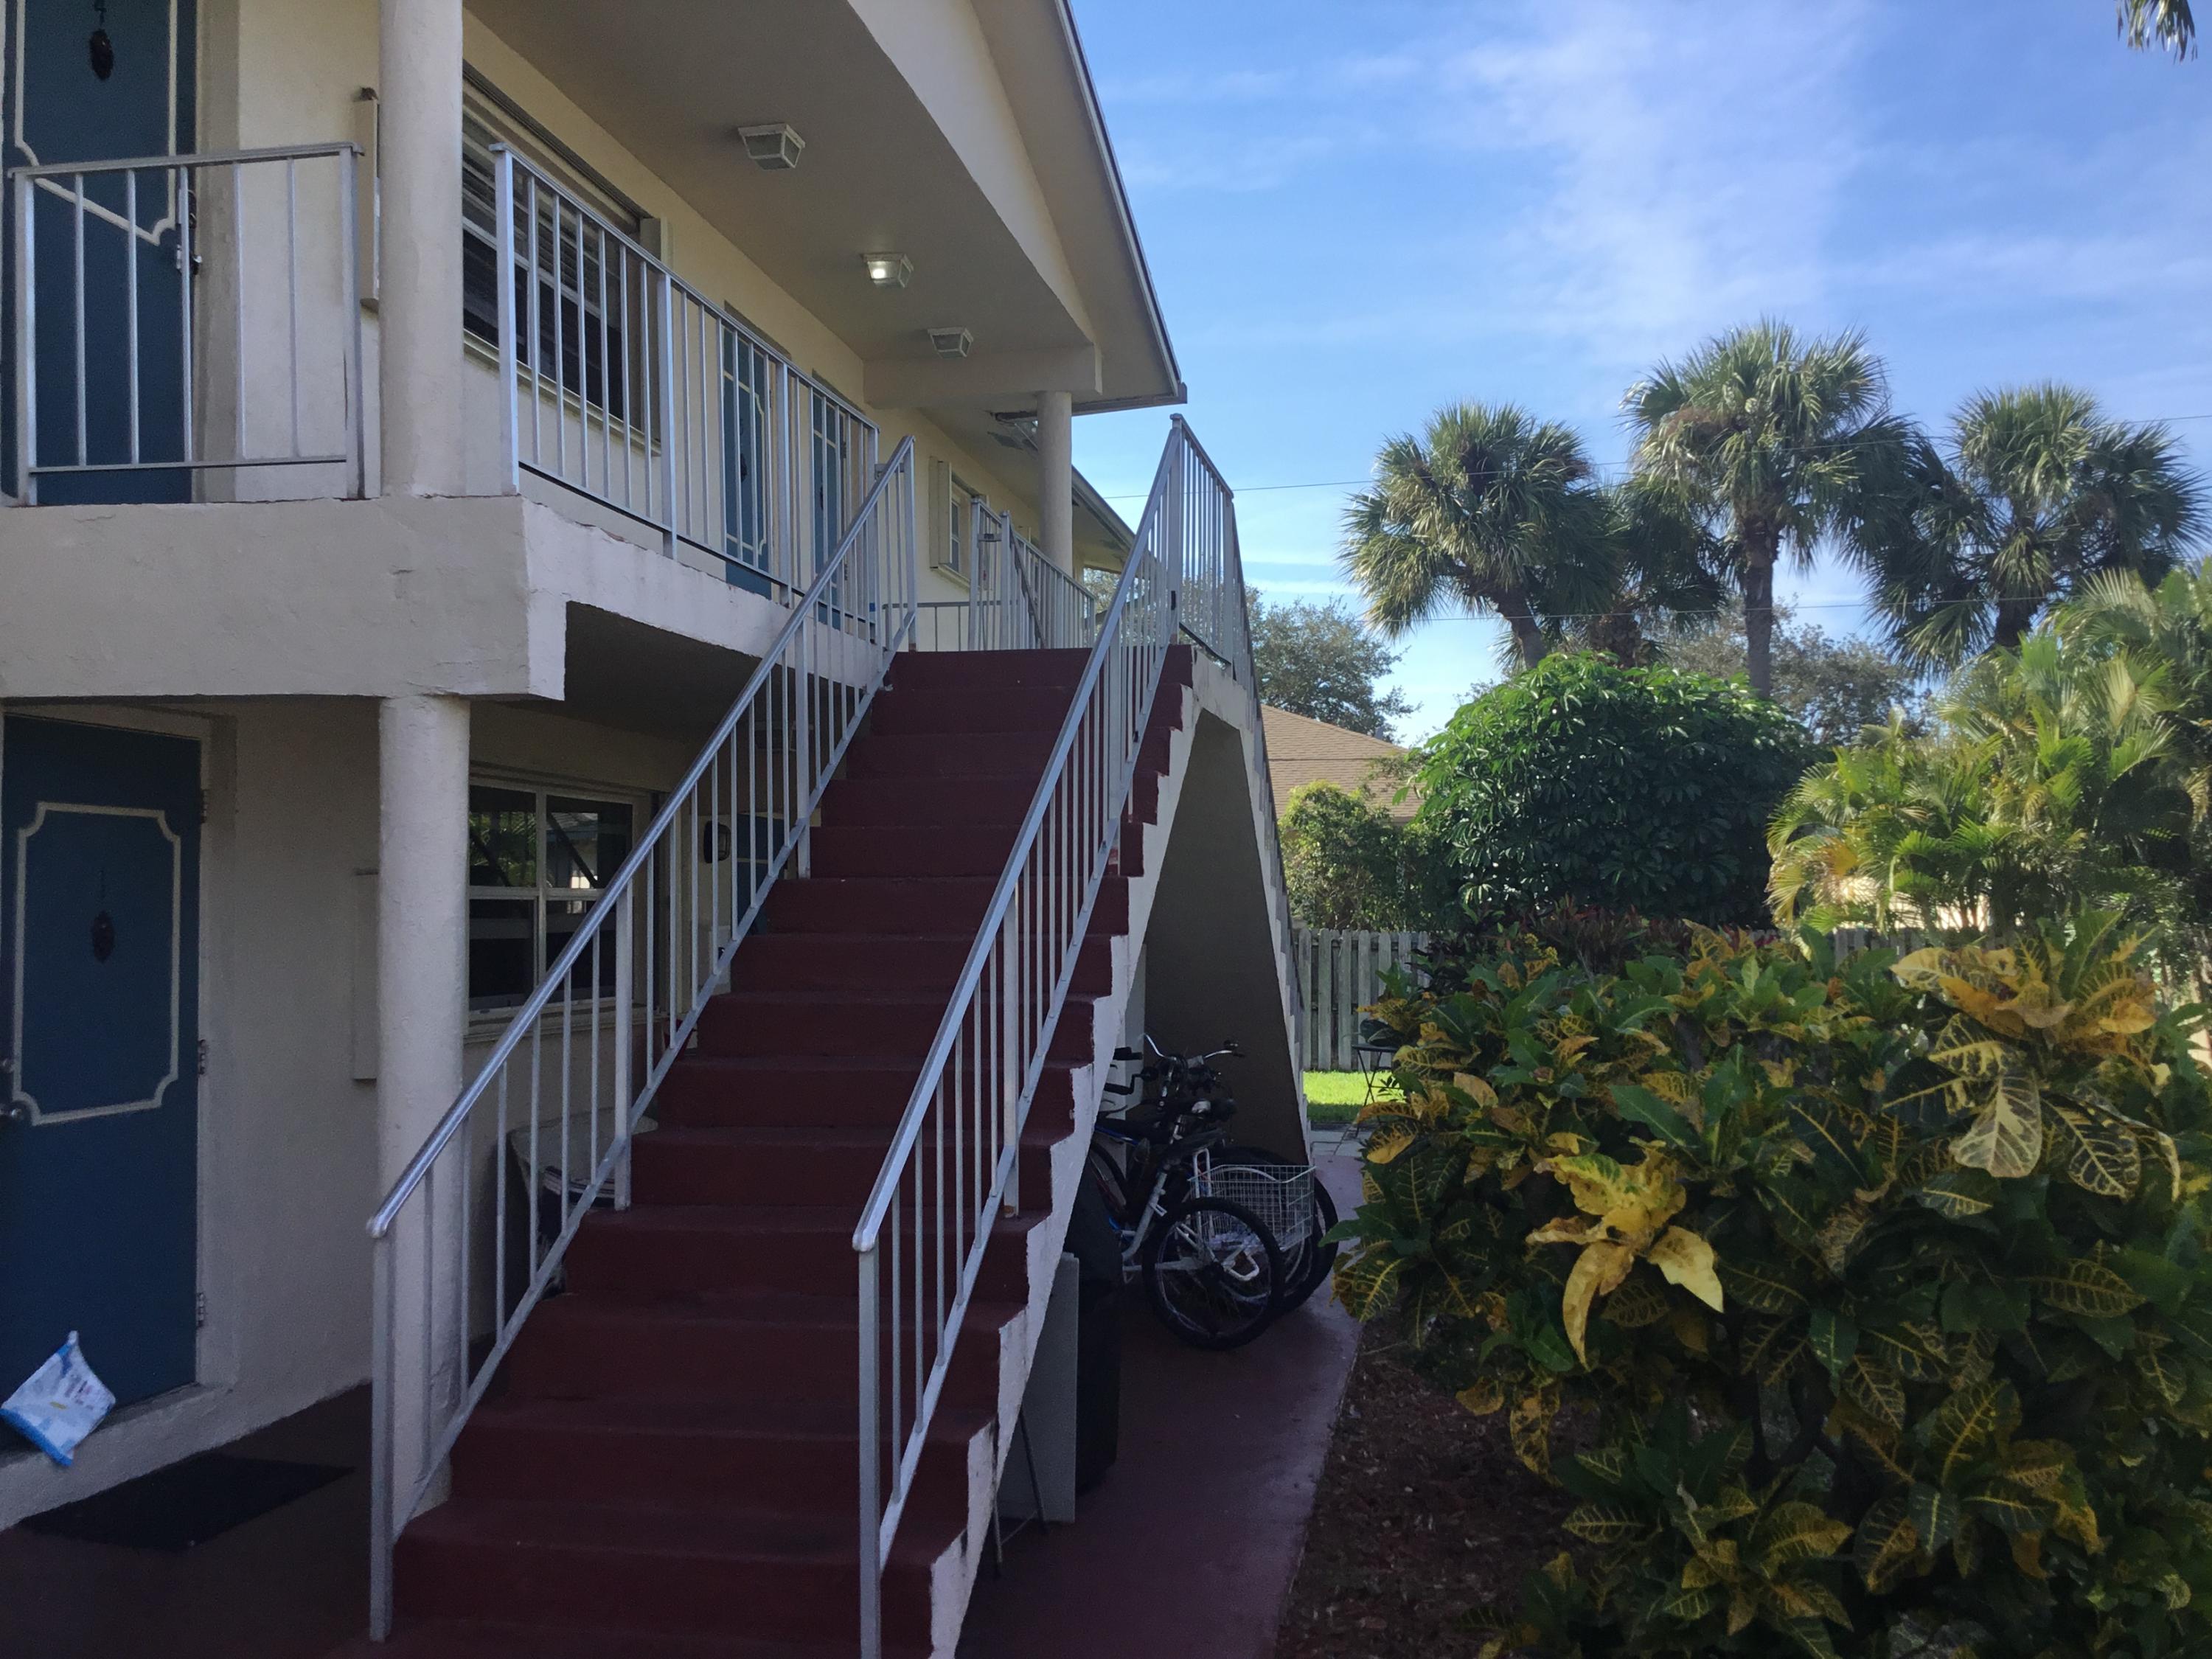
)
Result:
{"points": [[2167, 24], [1662, 567], [1773, 439], [1491, 510], [2040, 493]]}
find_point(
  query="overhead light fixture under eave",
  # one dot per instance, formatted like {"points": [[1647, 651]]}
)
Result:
{"points": [[888, 270], [774, 147], [951, 341]]}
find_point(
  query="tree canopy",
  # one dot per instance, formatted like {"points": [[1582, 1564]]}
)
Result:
{"points": [[2035, 492], [1770, 438], [2073, 772], [2160, 25], [1348, 863], [1587, 782], [1490, 511], [1835, 684], [1321, 661]]}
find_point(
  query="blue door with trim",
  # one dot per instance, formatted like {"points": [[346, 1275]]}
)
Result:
{"points": [[88, 82], [99, 1000]]}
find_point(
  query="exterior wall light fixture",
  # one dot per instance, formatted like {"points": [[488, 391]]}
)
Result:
{"points": [[889, 270], [774, 147], [951, 341]]}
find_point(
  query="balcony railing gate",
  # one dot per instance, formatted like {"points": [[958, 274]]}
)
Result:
{"points": [[175, 318]]}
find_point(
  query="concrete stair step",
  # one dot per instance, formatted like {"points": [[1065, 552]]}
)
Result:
{"points": [[890, 904], [874, 1022], [658, 1569], [938, 671], [895, 800], [775, 1169], [827, 1092], [674, 1249], [916, 961], [908, 851], [1004, 756], [448, 1638], [798, 1457], [759, 1347], [969, 709]]}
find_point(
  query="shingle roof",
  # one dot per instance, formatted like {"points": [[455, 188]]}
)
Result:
{"points": [[1301, 750]]}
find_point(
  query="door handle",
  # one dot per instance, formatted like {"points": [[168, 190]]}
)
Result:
{"points": [[14, 1112]]}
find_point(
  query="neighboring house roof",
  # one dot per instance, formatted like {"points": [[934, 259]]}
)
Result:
{"points": [[1301, 750]]}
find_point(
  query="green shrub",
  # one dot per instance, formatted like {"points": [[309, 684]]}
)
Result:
{"points": [[1347, 863], [1580, 781], [1876, 1289]]}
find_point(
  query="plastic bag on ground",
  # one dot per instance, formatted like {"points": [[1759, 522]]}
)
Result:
{"points": [[60, 1404]]}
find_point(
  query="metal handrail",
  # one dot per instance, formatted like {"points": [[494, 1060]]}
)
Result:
{"points": [[809, 693], [1231, 616], [989, 1051], [661, 404], [1061, 612], [165, 379], [1016, 598], [867, 1233]]}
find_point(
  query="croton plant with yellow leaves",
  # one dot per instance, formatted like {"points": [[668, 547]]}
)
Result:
{"points": [[1863, 1303]]}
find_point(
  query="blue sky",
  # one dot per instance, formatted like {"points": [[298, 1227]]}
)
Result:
{"points": [[1356, 210]]}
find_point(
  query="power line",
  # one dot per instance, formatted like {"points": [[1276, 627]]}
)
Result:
{"points": [[1621, 467]]}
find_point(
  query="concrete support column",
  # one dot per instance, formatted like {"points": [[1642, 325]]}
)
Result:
{"points": [[1056, 478], [421, 989], [419, 309]]}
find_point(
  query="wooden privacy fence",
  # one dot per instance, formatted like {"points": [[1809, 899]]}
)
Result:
{"points": [[1340, 971]]}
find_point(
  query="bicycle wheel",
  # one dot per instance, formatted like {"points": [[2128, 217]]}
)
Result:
{"points": [[1212, 1272], [1307, 1262]]}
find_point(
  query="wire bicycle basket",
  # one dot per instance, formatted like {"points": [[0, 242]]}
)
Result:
{"points": [[1280, 1195]]}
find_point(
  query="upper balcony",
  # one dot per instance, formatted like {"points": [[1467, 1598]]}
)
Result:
{"points": [[687, 355]]}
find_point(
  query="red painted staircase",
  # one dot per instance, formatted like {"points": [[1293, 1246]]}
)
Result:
{"points": [[666, 1463]]}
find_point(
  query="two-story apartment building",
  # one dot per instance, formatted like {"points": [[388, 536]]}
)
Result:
{"points": [[566, 723]]}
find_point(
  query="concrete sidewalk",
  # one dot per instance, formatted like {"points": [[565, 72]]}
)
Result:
{"points": [[1189, 1546]]}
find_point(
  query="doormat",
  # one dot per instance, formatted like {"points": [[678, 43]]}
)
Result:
{"points": [[186, 1503]]}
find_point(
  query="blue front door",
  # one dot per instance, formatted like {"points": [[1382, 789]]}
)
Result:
{"points": [[98, 1104], [87, 83]]}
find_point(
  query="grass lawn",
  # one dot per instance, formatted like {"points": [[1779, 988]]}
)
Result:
{"points": [[1334, 1097]]}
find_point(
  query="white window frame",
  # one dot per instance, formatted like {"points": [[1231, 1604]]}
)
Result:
{"points": [[484, 1011], [954, 545]]}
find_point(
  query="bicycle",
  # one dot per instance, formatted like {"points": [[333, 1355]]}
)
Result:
{"points": [[1211, 1267], [1286, 1195]]}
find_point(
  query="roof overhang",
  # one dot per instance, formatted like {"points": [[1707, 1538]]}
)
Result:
{"points": [[962, 133]]}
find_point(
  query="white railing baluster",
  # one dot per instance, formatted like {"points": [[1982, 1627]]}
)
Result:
{"points": [[510, 347], [26, 349], [131, 281]]}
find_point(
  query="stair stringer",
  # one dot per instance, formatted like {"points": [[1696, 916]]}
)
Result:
{"points": [[952, 1575]]}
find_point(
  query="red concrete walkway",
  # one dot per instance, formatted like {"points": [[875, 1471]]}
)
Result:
{"points": [[1188, 1546]]}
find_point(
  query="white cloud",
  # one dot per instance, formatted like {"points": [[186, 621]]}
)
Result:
{"points": [[1695, 156]]}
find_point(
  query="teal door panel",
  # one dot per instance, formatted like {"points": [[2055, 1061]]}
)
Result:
{"points": [[60, 106], [98, 988]]}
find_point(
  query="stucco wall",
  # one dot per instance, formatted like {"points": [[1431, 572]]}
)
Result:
{"points": [[288, 1109]]}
